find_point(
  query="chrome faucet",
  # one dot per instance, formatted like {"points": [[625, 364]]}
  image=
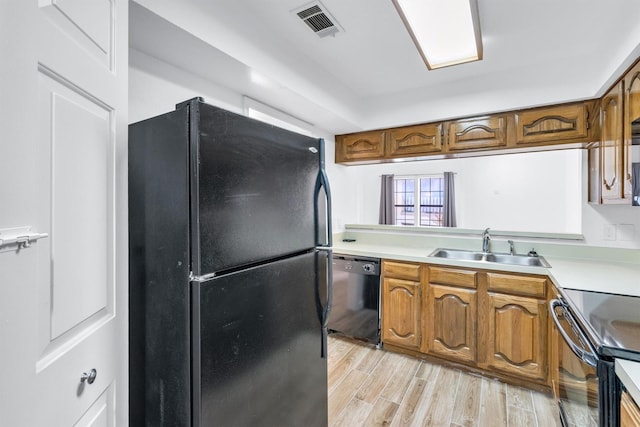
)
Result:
{"points": [[512, 249], [485, 240]]}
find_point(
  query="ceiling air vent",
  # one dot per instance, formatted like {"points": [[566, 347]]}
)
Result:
{"points": [[315, 15]]}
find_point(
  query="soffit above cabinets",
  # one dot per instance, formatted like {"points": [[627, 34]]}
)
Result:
{"points": [[535, 53]]}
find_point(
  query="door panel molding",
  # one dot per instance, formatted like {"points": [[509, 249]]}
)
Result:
{"points": [[90, 24]]}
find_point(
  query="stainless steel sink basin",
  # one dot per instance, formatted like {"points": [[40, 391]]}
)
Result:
{"points": [[458, 254], [524, 260]]}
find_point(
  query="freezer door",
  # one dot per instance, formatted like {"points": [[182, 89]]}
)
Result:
{"points": [[252, 198], [257, 344]]}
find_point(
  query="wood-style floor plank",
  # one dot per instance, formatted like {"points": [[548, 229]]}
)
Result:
{"points": [[519, 417], [370, 387], [546, 410], [519, 397], [354, 414], [467, 404], [493, 404], [345, 364], [340, 396], [382, 414], [405, 368], [370, 360], [413, 405], [378, 378], [442, 398]]}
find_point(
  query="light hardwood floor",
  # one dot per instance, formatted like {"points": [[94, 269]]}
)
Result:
{"points": [[369, 387]]}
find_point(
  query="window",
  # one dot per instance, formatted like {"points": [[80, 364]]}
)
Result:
{"points": [[418, 200]]}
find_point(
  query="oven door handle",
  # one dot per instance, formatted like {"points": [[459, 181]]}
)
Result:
{"points": [[589, 357]]}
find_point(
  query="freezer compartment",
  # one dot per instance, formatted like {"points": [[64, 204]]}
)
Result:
{"points": [[257, 345], [356, 297], [252, 193]]}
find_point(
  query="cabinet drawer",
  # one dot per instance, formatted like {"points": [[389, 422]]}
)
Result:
{"points": [[401, 270], [517, 285], [452, 277]]}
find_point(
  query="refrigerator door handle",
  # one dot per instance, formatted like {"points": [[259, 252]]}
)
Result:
{"points": [[322, 182], [326, 310]]}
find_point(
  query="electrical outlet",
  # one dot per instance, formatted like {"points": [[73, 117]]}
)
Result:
{"points": [[609, 232]]}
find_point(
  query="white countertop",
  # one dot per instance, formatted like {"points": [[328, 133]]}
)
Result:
{"points": [[585, 274], [629, 373], [575, 267]]}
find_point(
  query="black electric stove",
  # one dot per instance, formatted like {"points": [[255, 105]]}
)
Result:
{"points": [[611, 321], [594, 329]]}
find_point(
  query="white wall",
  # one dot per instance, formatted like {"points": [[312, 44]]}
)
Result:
{"points": [[609, 225], [156, 86], [519, 192], [544, 191], [501, 192]]}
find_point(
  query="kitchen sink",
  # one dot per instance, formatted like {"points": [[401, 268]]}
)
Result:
{"points": [[498, 258]]}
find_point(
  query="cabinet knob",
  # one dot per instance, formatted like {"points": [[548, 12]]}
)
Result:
{"points": [[89, 377]]}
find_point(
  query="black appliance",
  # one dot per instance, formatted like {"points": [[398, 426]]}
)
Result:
{"points": [[230, 272], [594, 329], [355, 311]]}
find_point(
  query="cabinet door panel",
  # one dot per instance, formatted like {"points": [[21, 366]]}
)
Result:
{"points": [[484, 132], [611, 145], [401, 313], [360, 146], [517, 336], [452, 322], [415, 140], [631, 153], [552, 124]]}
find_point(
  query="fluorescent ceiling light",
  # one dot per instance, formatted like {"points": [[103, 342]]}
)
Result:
{"points": [[446, 32]]}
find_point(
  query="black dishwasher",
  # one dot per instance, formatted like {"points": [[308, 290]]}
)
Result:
{"points": [[356, 297]]}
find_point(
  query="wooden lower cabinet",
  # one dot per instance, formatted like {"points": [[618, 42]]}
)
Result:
{"points": [[629, 411], [517, 336], [451, 314], [401, 301], [487, 320]]}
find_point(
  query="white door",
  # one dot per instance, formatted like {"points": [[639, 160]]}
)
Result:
{"points": [[63, 171]]}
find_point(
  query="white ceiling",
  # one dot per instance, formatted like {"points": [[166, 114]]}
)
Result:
{"points": [[371, 76]]}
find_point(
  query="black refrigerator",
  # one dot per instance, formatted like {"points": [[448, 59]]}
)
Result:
{"points": [[230, 272]]}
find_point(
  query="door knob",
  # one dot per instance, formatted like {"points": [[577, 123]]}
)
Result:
{"points": [[89, 377]]}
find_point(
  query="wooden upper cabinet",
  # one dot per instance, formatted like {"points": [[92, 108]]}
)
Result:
{"points": [[477, 133], [401, 301], [560, 124], [611, 145], [517, 336], [630, 153], [360, 146], [415, 140]]}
